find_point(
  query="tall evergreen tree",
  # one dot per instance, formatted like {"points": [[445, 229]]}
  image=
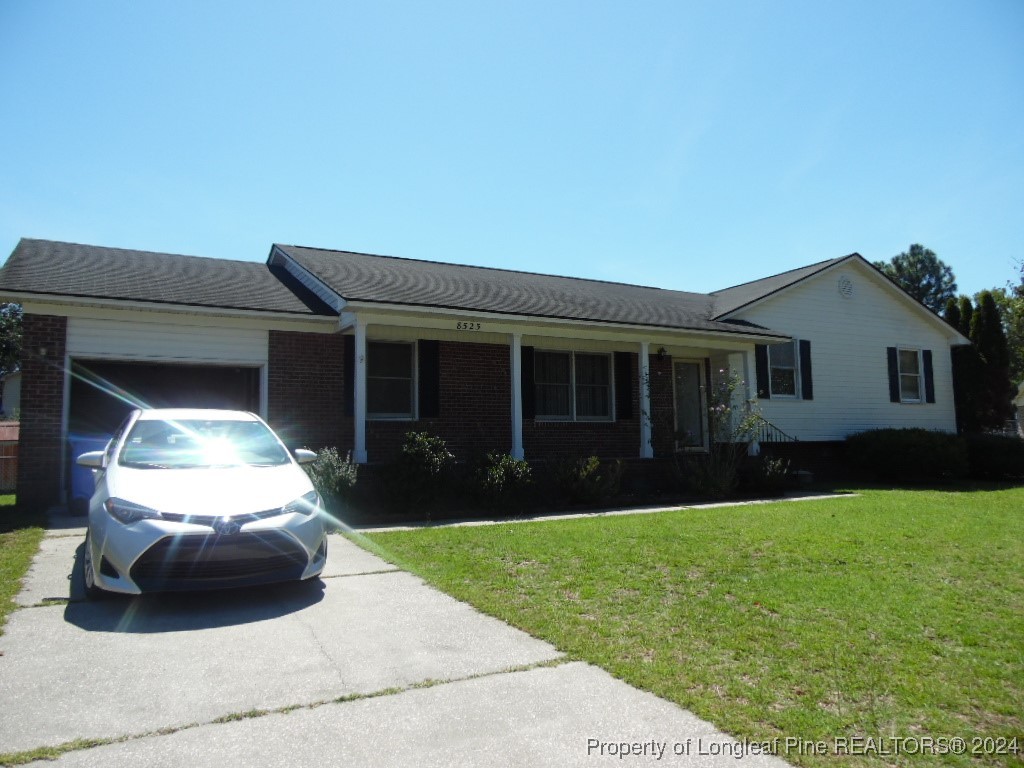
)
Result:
{"points": [[952, 312], [995, 402], [966, 315], [923, 275]]}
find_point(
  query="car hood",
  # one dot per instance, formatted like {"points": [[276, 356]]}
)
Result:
{"points": [[210, 491]]}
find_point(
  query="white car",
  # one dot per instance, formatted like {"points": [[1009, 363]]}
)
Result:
{"points": [[199, 499]]}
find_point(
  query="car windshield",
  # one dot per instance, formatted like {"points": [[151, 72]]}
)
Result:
{"points": [[192, 443]]}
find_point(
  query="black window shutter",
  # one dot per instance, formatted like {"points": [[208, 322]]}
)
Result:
{"points": [[350, 376], [929, 377], [429, 378], [623, 385], [894, 375], [527, 385], [761, 364], [806, 375]]}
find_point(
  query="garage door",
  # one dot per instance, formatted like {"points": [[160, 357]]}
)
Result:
{"points": [[103, 392]]}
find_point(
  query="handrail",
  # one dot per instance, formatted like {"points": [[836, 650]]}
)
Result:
{"points": [[766, 432]]}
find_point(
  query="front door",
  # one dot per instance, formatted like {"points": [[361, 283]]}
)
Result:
{"points": [[691, 419]]}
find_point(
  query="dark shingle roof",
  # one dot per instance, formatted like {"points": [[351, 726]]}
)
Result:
{"points": [[730, 299], [361, 277], [69, 269]]}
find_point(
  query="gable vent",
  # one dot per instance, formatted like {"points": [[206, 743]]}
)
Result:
{"points": [[845, 287]]}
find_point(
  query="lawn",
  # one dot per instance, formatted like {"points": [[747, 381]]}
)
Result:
{"points": [[896, 613], [19, 541]]}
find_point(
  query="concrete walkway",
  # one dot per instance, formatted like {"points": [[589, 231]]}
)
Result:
{"points": [[369, 666]]}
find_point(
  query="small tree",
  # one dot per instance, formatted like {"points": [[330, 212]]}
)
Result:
{"points": [[10, 338], [733, 421]]}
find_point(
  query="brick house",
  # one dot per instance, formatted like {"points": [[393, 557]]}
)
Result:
{"points": [[353, 350]]}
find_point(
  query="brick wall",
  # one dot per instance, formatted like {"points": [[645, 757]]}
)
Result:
{"points": [[42, 405], [475, 398], [304, 389]]}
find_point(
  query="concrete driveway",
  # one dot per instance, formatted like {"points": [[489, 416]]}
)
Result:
{"points": [[368, 666]]}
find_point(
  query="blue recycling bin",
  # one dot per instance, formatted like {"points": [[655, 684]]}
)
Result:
{"points": [[83, 481]]}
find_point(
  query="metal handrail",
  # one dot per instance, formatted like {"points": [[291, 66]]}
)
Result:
{"points": [[767, 432]]}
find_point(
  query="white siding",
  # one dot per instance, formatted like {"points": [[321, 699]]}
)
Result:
{"points": [[849, 337], [165, 342]]}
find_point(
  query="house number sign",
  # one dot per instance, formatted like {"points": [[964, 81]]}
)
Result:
{"points": [[468, 326]]}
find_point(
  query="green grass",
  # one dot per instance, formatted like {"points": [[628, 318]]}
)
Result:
{"points": [[19, 541], [897, 613]]}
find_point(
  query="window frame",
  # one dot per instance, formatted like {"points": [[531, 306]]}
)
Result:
{"points": [[920, 374], [573, 415], [413, 382], [797, 383]]}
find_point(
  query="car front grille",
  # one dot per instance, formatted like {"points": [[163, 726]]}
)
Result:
{"points": [[214, 561], [203, 518]]}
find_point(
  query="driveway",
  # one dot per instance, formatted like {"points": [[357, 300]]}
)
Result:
{"points": [[368, 666]]}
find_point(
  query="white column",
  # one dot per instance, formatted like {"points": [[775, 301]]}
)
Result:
{"points": [[516, 350], [359, 379], [749, 379], [646, 449]]}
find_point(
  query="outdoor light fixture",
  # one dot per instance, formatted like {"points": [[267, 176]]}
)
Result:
{"points": [[661, 353]]}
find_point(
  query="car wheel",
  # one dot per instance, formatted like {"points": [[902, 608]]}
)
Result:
{"points": [[92, 591]]}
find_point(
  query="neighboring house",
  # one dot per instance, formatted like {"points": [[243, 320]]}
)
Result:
{"points": [[10, 401], [353, 350]]}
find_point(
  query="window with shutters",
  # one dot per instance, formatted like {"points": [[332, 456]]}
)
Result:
{"points": [[784, 369], [572, 386], [390, 380], [910, 375]]}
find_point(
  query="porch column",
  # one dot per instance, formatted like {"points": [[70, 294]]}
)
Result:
{"points": [[749, 367], [646, 448], [516, 350], [359, 379]]}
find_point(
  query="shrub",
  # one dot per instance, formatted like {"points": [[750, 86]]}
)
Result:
{"points": [[419, 474], [502, 480], [586, 480], [713, 475], [766, 476], [908, 455], [333, 477], [995, 457]]}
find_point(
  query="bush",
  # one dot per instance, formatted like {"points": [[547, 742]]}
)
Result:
{"points": [[712, 475], [909, 455], [502, 480], [766, 476], [586, 481], [333, 477], [995, 457], [419, 474]]}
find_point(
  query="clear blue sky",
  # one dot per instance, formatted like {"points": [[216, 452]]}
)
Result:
{"points": [[680, 144]]}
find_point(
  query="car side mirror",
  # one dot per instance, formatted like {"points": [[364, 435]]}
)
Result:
{"points": [[92, 459], [305, 456]]}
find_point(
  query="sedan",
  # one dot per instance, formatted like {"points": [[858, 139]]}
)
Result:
{"points": [[199, 499]]}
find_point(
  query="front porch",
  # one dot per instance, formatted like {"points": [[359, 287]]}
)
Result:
{"points": [[533, 389]]}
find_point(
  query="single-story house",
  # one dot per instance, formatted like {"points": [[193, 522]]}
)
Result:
{"points": [[353, 350]]}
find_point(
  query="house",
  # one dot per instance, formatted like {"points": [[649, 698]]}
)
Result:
{"points": [[1018, 404], [353, 350]]}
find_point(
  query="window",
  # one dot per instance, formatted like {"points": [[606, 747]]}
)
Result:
{"points": [[784, 369], [390, 380], [573, 386], [910, 375]]}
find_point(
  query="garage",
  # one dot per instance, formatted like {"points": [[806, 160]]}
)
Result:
{"points": [[103, 392], [115, 366]]}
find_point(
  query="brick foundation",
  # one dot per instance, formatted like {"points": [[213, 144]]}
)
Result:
{"points": [[42, 405]]}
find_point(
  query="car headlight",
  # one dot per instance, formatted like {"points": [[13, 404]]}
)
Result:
{"points": [[126, 512], [307, 504]]}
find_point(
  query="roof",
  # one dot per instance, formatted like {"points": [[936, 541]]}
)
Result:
{"points": [[728, 300], [361, 277], [89, 271]]}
